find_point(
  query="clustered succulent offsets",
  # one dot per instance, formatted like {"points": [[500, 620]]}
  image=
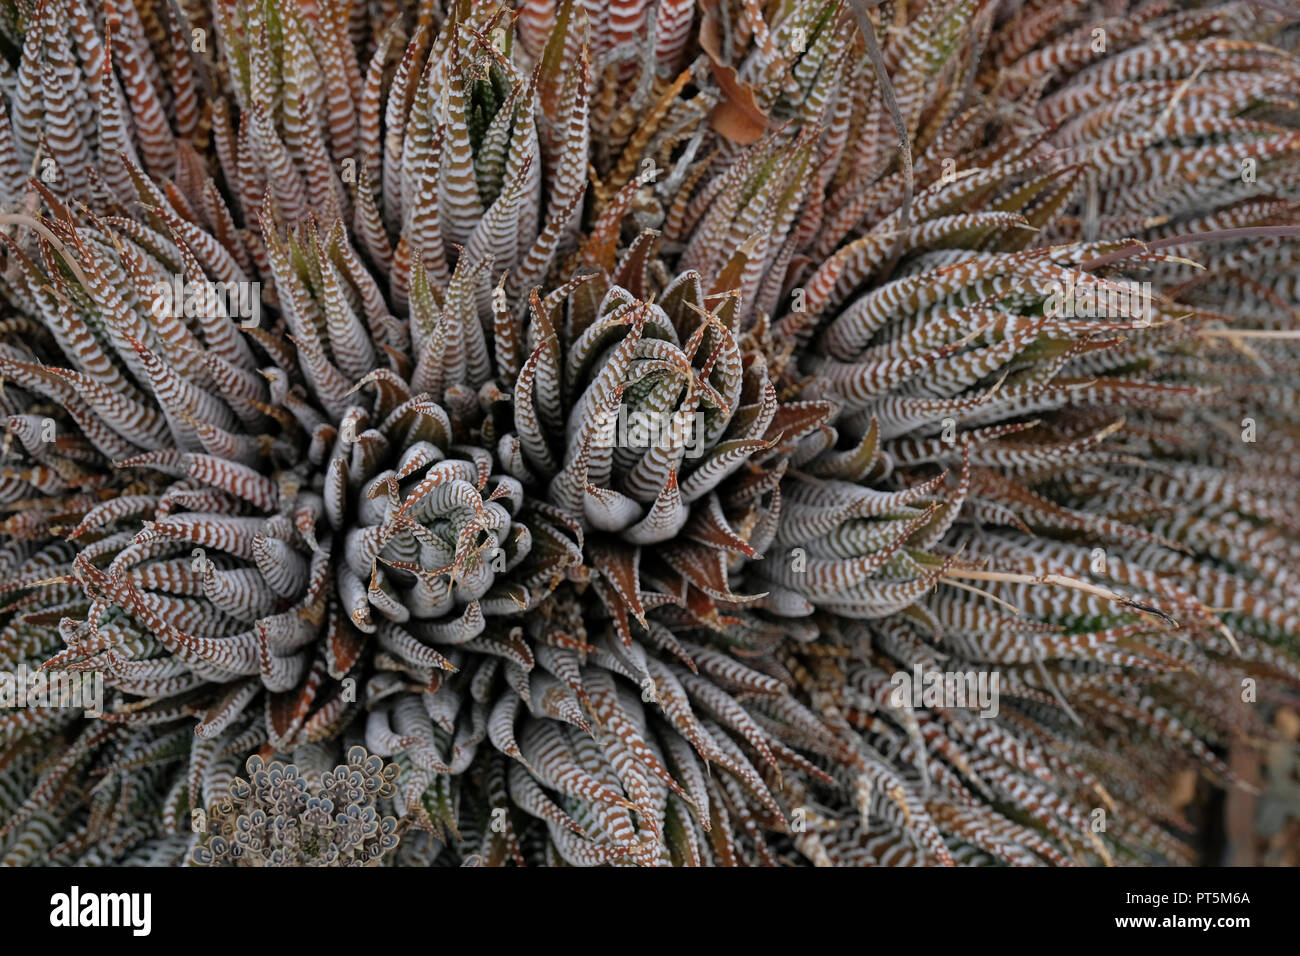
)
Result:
{"points": [[278, 818], [383, 510]]}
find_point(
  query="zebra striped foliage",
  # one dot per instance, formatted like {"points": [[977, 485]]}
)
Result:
{"points": [[1017, 400]]}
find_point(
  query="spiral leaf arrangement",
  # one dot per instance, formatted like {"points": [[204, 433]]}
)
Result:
{"points": [[278, 818], [827, 241]]}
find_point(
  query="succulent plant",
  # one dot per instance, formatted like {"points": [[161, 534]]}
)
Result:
{"points": [[277, 817], [957, 336]]}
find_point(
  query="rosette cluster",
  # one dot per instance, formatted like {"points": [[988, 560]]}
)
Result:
{"points": [[276, 817], [595, 415]]}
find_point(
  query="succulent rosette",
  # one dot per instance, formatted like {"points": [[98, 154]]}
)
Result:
{"points": [[570, 433]]}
